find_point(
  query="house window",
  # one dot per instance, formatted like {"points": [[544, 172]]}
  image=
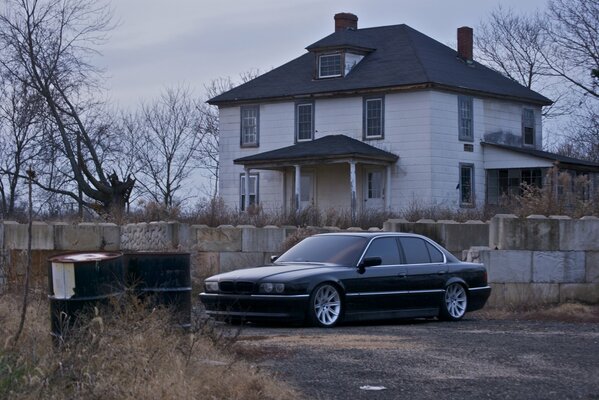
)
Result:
{"points": [[250, 125], [508, 182], [304, 122], [329, 65], [253, 190], [373, 118], [465, 118], [466, 185], [528, 127], [532, 177], [375, 185]]}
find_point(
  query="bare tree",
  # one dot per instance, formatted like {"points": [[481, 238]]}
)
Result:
{"points": [[555, 52], [46, 45], [583, 134], [168, 144], [20, 136], [514, 45], [573, 51]]}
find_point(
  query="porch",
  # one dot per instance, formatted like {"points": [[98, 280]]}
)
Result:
{"points": [[329, 172]]}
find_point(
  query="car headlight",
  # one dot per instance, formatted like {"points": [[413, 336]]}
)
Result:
{"points": [[268, 287], [211, 286]]}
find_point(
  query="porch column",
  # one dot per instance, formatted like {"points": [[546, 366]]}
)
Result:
{"points": [[352, 182], [298, 180], [388, 188], [246, 198]]}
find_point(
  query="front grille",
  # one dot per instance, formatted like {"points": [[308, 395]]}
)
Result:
{"points": [[227, 286], [244, 287], [236, 287]]}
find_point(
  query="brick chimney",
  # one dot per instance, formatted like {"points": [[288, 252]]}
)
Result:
{"points": [[345, 21], [465, 43]]}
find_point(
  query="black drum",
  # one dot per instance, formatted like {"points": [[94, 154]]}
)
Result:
{"points": [[79, 282], [162, 279]]}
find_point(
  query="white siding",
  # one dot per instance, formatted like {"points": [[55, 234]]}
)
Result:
{"points": [[339, 117], [503, 119], [420, 127], [448, 151], [276, 131], [407, 134], [496, 158]]}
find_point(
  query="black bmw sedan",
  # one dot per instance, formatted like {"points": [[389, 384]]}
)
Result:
{"points": [[329, 278]]}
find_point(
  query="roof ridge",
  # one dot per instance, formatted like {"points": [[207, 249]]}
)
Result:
{"points": [[414, 48]]}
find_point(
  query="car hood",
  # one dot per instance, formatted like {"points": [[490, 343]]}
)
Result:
{"points": [[277, 272]]}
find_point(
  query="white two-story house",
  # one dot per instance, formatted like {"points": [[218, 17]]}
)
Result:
{"points": [[380, 118]]}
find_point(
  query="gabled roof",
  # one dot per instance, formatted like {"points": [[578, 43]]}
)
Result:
{"points": [[565, 161], [326, 149], [401, 58]]}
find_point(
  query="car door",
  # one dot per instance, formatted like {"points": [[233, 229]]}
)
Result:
{"points": [[426, 272], [378, 289]]}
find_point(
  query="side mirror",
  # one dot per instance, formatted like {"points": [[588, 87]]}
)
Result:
{"points": [[369, 262], [273, 258]]}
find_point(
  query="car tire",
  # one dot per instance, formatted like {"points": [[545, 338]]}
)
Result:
{"points": [[326, 306], [455, 303]]}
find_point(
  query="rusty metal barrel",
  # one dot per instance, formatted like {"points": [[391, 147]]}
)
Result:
{"points": [[162, 279], [78, 282]]}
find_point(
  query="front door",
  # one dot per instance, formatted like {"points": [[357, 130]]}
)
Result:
{"points": [[306, 190], [374, 189]]}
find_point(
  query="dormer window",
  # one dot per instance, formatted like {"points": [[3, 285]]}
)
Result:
{"points": [[329, 65], [334, 65]]}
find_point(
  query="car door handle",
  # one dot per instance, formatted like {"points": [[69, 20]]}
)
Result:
{"points": [[441, 272], [402, 275]]}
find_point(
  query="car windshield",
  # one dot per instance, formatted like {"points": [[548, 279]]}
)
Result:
{"points": [[341, 250]]}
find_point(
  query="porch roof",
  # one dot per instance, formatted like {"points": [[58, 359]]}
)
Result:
{"points": [[556, 159], [327, 149]]}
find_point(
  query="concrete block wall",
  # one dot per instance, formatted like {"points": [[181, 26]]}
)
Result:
{"points": [[530, 260], [454, 236], [213, 250], [541, 260]]}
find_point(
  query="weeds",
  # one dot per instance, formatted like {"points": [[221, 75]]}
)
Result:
{"points": [[129, 352], [561, 194]]}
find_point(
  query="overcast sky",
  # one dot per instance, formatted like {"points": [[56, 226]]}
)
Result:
{"points": [[162, 43]]}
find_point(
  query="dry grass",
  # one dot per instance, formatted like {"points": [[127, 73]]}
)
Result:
{"points": [[566, 312], [129, 353]]}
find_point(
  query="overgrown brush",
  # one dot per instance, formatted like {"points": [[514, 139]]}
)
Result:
{"points": [[561, 194], [129, 353]]}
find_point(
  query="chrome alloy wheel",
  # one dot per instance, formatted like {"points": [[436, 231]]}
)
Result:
{"points": [[455, 300], [327, 305]]}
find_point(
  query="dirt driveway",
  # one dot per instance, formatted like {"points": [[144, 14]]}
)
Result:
{"points": [[471, 359]]}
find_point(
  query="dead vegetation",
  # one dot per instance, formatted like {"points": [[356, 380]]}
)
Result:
{"points": [[128, 353]]}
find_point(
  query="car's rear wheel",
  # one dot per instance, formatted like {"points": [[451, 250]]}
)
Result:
{"points": [[326, 306], [454, 303]]}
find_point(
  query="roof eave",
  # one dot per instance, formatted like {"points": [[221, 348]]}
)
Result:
{"points": [[289, 161], [403, 88]]}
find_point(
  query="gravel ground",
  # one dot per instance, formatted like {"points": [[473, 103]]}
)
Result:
{"points": [[471, 359]]}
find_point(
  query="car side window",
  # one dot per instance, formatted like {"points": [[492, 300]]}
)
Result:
{"points": [[436, 255], [415, 250], [385, 248]]}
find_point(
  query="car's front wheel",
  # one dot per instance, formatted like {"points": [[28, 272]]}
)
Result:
{"points": [[326, 306], [454, 303]]}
